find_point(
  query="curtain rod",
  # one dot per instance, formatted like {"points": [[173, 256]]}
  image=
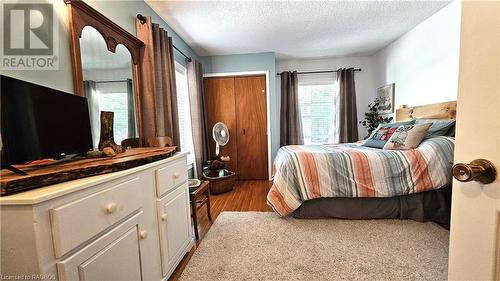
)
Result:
{"points": [[142, 19], [113, 81], [320, 71]]}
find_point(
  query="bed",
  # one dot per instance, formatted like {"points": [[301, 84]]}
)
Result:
{"points": [[352, 181]]}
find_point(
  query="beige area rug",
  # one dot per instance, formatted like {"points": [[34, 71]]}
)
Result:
{"points": [[262, 246]]}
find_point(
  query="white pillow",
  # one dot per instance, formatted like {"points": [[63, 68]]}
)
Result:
{"points": [[407, 136]]}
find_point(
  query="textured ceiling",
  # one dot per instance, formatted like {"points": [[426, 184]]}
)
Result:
{"points": [[292, 29]]}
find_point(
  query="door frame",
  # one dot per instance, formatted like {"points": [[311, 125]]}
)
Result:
{"points": [[268, 106]]}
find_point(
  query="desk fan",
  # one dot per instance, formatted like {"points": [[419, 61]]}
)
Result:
{"points": [[221, 179], [220, 134]]}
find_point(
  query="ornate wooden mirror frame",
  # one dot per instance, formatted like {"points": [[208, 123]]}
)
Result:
{"points": [[80, 15]]}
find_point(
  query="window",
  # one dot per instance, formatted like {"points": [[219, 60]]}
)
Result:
{"points": [[186, 135], [318, 109], [116, 102], [113, 96]]}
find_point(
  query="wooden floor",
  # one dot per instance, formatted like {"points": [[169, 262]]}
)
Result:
{"points": [[246, 196]]}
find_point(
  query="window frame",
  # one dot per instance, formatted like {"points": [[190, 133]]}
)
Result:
{"points": [[179, 68], [319, 81]]}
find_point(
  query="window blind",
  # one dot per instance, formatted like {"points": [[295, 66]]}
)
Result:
{"points": [[318, 104], [186, 135]]}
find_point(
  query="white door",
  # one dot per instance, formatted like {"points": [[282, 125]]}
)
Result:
{"points": [[119, 261], [474, 238], [115, 255], [175, 227]]}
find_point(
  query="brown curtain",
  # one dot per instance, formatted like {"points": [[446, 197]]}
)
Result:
{"points": [[167, 120], [198, 114], [131, 109], [291, 123], [348, 117], [90, 90]]}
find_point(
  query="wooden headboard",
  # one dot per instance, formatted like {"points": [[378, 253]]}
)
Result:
{"points": [[444, 110]]}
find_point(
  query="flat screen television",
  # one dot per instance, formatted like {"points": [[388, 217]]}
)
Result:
{"points": [[39, 122]]}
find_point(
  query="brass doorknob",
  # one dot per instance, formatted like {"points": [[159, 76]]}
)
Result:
{"points": [[480, 170]]}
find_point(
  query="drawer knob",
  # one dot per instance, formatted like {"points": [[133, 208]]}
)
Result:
{"points": [[111, 208], [176, 175], [164, 217], [143, 234]]}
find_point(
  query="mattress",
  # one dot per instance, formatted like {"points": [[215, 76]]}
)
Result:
{"points": [[307, 172]]}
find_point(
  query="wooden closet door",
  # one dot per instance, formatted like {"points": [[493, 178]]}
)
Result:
{"points": [[219, 105], [251, 125]]}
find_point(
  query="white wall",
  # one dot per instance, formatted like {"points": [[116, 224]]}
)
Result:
{"points": [[424, 62], [365, 80]]}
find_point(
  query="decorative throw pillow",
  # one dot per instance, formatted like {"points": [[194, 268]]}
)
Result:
{"points": [[383, 133], [407, 136], [439, 127]]}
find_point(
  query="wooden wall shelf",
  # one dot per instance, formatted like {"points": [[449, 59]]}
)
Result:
{"points": [[72, 170]]}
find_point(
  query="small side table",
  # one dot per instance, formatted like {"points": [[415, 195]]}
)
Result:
{"points": [[198, 196]]}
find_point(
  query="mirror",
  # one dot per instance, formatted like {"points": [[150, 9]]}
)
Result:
{"points": [[108, 85], [106, 62]]}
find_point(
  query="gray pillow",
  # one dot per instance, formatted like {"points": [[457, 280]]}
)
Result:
{"points": [[438, 127], [383, 133]]}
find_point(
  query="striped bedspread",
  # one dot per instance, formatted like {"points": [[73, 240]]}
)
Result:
{"points": [[304, 172]]}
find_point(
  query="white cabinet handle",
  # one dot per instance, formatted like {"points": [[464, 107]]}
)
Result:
{"points": [[176, 175], [111, 208], [164, 217], [143, 234]]}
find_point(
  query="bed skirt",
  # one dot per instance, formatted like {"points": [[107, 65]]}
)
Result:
{"points": [[434, 205]]}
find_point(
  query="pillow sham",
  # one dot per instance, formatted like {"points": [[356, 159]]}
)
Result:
{"points": [[438, 127], [383, 133], [407, 136]]}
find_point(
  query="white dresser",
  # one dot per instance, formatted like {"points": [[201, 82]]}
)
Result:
{"points": [[129, 225]]}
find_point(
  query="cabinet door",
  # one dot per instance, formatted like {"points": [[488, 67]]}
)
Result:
{"points": [[251, 124], [114, 256], [219, 106], [175, 227]]}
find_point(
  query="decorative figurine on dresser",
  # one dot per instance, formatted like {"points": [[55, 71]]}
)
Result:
{"points": [[107, 139]]}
